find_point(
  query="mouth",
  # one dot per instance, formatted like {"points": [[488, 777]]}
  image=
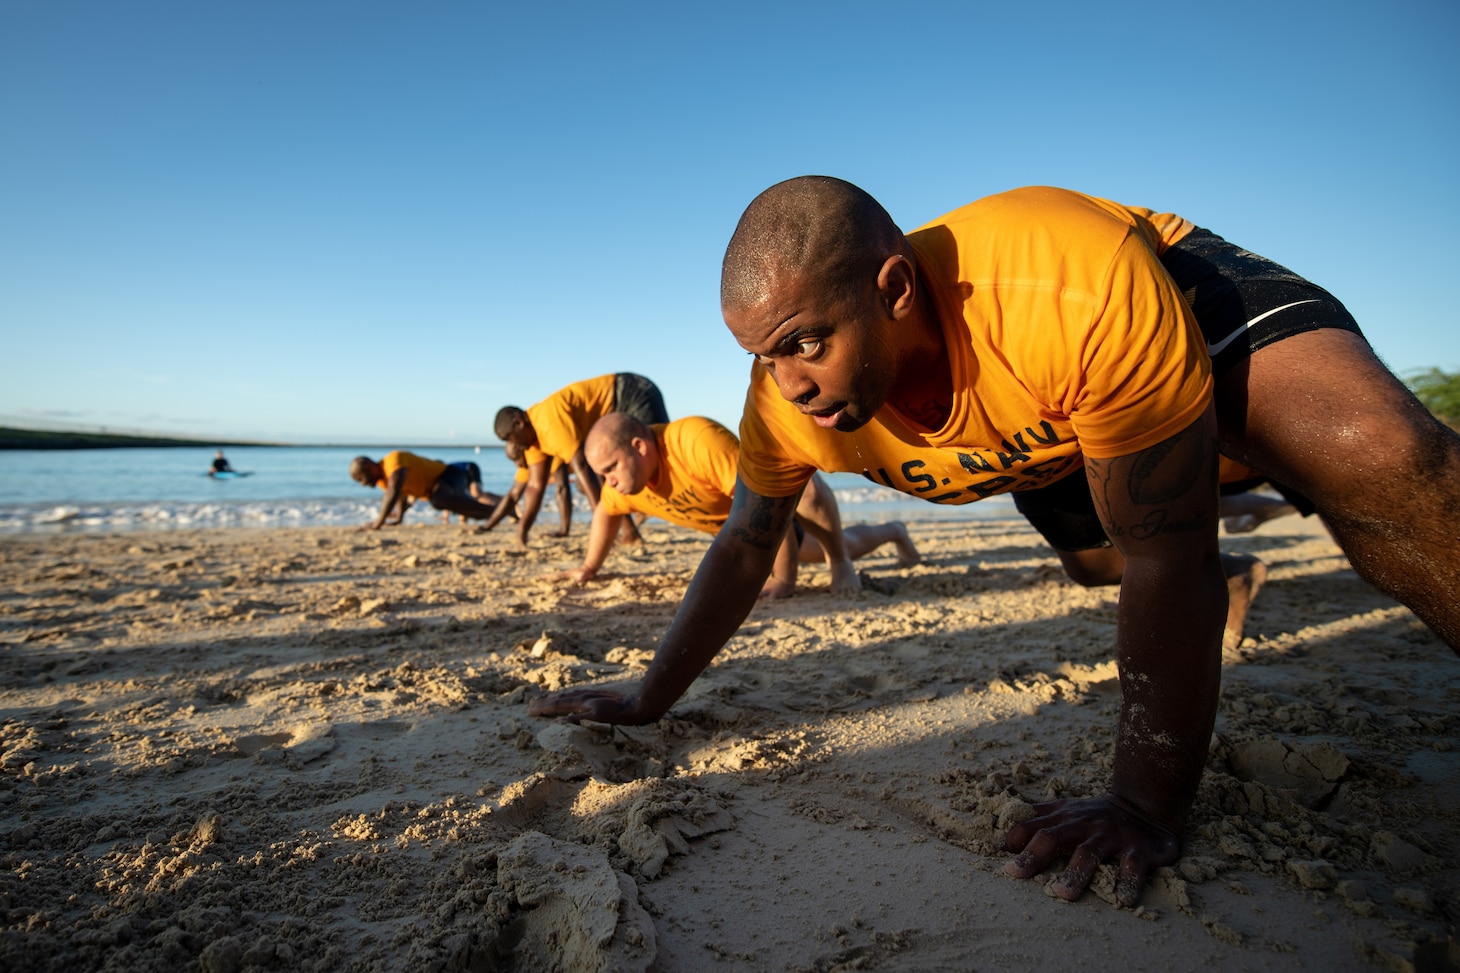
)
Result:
{"points": [[826, 418]]}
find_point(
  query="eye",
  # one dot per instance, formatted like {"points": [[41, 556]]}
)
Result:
{"points": [[765, 360], [808, 348]]}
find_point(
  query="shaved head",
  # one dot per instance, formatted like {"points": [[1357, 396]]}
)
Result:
{"points": [[623, 451], [617, 430], [505, 417], [817, 226], [365, 471]]}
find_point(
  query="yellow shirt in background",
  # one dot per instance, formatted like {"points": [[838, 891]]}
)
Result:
{"points": [[562, 420], [695, 485], [1065, 336], [521, 475], [421, 473]]}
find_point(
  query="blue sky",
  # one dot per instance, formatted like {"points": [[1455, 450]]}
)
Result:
{"points": [[310, 220]]}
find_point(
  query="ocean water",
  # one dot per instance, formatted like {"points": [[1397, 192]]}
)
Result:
{"points": [[71, 490]]}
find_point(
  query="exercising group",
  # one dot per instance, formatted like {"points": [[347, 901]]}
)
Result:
{"points": [[1116, 368]]}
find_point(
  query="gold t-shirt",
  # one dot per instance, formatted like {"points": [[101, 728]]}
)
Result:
{"points": [[421, 473], [695, 485], [1065, 337], [562, 420]]}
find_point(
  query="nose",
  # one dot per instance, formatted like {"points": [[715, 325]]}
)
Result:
{"points": [[794, 383]]}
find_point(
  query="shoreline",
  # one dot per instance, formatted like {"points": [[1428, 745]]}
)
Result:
{"points": [[308, 746]]}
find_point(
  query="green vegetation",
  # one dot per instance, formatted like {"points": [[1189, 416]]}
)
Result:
{"points": [[12, 438], [1440, 393]]}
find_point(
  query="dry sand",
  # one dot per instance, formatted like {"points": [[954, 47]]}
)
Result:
{"points": [[307, 749]]}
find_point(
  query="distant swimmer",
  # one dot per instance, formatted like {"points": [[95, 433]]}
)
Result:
{"points": [[557, 426], [220, 464], [684, 472], [406, 477]]}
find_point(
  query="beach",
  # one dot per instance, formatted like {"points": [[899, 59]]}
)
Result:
{"points": [[307, 748]]}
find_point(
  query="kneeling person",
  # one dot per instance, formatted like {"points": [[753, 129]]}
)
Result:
{"points": [[684, 472]]}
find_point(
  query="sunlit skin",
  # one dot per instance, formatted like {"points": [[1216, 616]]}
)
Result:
{"points": [[839, 355], [626, 470], [839, 361]]}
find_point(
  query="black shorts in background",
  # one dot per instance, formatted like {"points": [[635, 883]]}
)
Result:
{"points": [[640, 398]]}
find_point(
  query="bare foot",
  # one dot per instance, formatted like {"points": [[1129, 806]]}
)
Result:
{"points": [[907, 554], [1241, 524], [1245, 575], [844, 578], [776, 589], [1246, 512]]}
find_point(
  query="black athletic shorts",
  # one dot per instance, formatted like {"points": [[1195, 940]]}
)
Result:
{"points": [[1241, 302], [453, 479], [639, 397]]}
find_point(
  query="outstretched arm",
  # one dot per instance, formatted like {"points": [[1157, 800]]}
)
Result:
{"points": [[394, 485], [401, 506], [722, 593], [1159, 507], [600, 541], [531, 495], [565, 500]]}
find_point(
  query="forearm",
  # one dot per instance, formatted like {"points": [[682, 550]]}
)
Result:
{"points": [[1169, 645], [722, 593], [565, 503], [500, 510], [600, 542], [527, 513], [787, 560], [1160, 509], [392, 497], [587, 479]]}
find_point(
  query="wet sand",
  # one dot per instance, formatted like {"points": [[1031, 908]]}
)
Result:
{"points": [[308, 749]]}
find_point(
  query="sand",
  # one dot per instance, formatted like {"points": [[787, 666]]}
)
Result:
{"points": [[305, 749]]}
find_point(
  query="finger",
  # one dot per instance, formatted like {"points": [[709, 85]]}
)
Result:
{"points": [[556, 704], [1076, 876], [1131, 880], [1038, 853], [1045, 816]]}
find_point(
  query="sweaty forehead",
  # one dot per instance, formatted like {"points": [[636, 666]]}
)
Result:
{"points": [[600, 452], [783, 307]]}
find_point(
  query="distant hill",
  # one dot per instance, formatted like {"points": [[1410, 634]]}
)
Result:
{"points": [[12, 438]]}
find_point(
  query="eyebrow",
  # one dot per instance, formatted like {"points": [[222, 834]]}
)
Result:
{"points": [[794, 338]]}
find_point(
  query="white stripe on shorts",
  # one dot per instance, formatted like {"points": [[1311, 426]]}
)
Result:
{"points": [[1214, 350]]}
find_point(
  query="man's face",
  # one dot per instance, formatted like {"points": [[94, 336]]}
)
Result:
{"points": [[623, 468], [830, 358]]}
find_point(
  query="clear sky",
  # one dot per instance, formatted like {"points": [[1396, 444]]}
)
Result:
{"points": [[320, 220]]}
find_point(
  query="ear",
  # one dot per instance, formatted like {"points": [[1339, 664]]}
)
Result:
{"points": [[897, 283]]}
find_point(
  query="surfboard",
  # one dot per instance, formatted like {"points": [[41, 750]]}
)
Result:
{"points": [[228, 474]]}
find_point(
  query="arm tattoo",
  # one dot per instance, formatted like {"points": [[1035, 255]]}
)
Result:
{"points": [[1155, 479], [761, 532], [1152, 480]]}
